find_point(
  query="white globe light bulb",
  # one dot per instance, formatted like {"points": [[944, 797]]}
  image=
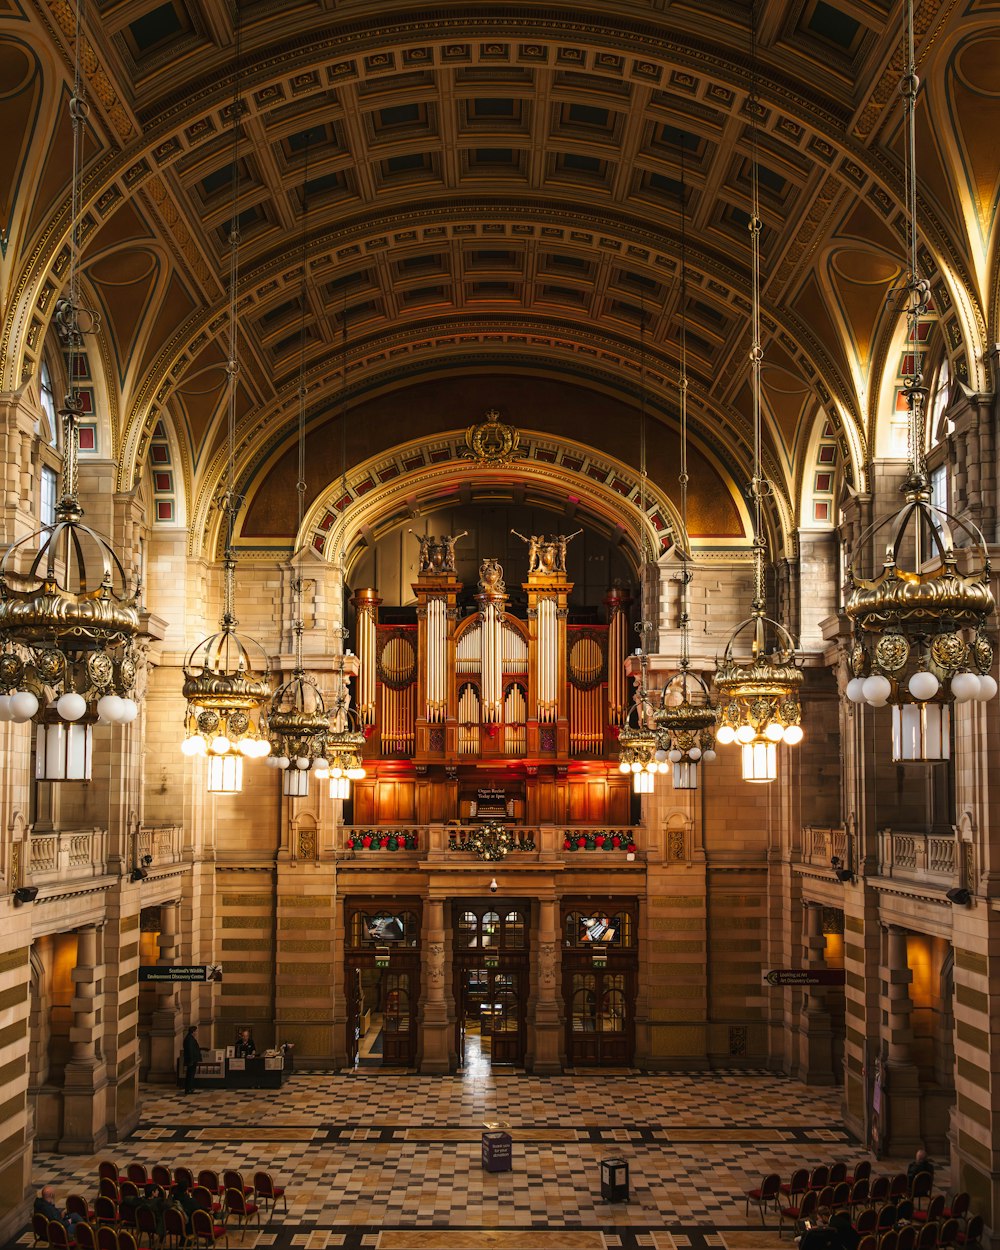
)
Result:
{"points": [[660, 755], [129, 711], [337, 771], [188, 747], [745, 734], [708, 756], [622, 768], [284, 762], [663, 767], [200, 745], [923, 686], [964, 686], [694, 754], [109, 708], [23, 705], [774, 732], [71, 706], [675, 756], [877, 689], [635, 766], [856, 690], [726, 735], [302, 762], [793, 735], [219, 745], [246, 747], [987, 687], [321, 764], [651, 766]]}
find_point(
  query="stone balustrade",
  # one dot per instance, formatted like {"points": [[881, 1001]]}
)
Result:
{"points": [[602, 844], [913, 856], [66, 855]]}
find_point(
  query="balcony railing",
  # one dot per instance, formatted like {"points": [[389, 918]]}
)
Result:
{"points": [[603, 846], [66, 855], [915, 857]]}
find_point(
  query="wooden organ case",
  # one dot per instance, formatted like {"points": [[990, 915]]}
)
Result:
{"points": [[458, 704]]}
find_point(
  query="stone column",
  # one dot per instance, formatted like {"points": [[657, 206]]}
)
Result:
{"points": [[165, 1033], [85, 1086], [815, 1032], [437, 1035], [546, 1024], [901, 1129]]}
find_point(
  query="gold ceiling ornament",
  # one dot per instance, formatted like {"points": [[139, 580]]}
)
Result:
{"points": [[686, 719], [227, 679], [759, 693], [920, 641], [69, 613], [493, 443], [639, 744]]}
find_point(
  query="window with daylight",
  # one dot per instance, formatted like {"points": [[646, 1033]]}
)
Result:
{"points": [[47, 491], [49, 404]]}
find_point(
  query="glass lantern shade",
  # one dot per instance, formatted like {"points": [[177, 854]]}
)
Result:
{"points": [[921, 731], [685, 775], [642, 783], [225, 774], [63, 752], [295, 782], [340, 787], [760, 760]]}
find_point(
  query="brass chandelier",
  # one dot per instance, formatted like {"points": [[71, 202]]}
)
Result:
{"points": [[69, 624], [297, 719], [344, 746], [226, 675], [920, 641], [759, 694], [685, 721]]}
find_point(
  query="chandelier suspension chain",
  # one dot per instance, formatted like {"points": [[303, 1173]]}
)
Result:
{"points": [[917, 288], [758, 485], [300, 485], [682, 402]]}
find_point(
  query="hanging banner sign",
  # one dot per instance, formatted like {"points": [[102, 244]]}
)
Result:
{"points": [[805, 976], [180, 972]]}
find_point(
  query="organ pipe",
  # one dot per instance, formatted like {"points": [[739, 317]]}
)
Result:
{"points": [[366, 603], [618, 695], [548, 660], [437, 668]]}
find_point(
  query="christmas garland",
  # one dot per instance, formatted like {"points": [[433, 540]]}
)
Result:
{"points": [[378, 840], [598, 840]]}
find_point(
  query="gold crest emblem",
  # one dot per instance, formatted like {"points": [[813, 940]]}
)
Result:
{"points": [[492, 442]]}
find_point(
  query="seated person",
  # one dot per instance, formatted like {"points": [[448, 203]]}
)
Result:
{"points": [[245, 1048], [45, 1205], [183, 1198], [920, 1164]]}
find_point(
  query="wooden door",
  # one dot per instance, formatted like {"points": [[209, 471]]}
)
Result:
{"points": [[600, 1017]]}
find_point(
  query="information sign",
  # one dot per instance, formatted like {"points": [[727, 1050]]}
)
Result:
{"points": [[805, 976]]}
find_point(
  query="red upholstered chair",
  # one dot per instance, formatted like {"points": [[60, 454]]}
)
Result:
{"points": [[948, 1231], [838, 1173], [242, 1207], [825, 1201], [86, 1235], [887, 1216], [933, 1212], [161, 1176], [110, 1169], [234, 1180], [958, 1208], [210, 1180], [107, 1238], [928, 1236], [145, 1225], [136, 1172], [804, 1209], [859, 1194], [866, 1222], [174, 1227], [888, 1240], [205, 1231], [921, 1189], [906, 1237], [40, 1229], [862, 1171], [268, 1191], [841, 1196], [868, 1243], [820, 1177], [972, 1237], [899, 1187], [878, 1191], [127, 1240], [109, 1189], [797, 1185], [105, 1212], [207, 1199], [185, 1175], [59, 1238], [76, 1204], [764, 1195]]}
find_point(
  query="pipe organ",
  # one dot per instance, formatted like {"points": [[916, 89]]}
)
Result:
{"points": [[489, 685]]}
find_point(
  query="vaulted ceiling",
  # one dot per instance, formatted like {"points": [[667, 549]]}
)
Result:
{"points": [[495, 191]]}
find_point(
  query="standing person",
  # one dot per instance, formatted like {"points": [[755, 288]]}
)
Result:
{"points": [[192, 1057]]}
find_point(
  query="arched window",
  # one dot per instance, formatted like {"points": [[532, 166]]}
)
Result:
{"points": [[48, 399]]}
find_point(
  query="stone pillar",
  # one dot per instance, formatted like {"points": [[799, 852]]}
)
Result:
{"points": [[85, 1086], [815, 1032], [901, 1128], [165, 1033], [546, 1024], [437, 1034]]}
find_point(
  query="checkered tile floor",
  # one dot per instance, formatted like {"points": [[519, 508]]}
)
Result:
{"points": [[393, 1161]]}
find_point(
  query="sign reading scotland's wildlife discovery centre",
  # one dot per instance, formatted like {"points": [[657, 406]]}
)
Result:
{"points": [[180, 972]]}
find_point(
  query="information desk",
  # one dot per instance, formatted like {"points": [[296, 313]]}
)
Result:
{"points": [[262, 1072]]}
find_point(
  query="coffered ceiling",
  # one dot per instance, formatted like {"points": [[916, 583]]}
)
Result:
{"points": [[496, 190]]}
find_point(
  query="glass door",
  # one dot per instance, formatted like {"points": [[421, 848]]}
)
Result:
{"points": [[491, 978]]}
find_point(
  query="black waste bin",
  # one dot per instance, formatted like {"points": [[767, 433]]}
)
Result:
{"points": [[614, 1180], [496, 1152]]}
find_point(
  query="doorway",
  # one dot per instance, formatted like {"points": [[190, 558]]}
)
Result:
{"points": [[491, 981], [599, 982], [382, 984]]}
